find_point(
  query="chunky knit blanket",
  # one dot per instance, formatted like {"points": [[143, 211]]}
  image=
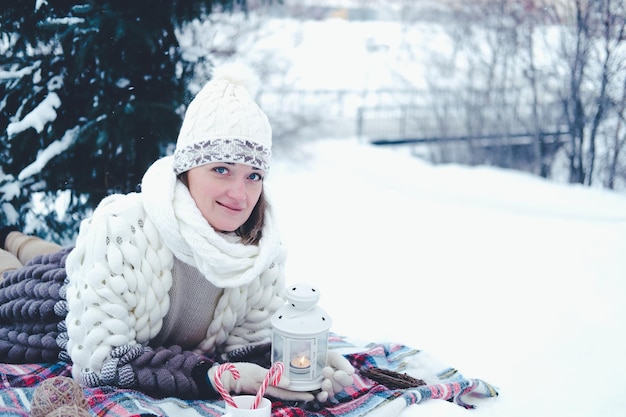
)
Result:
{"points": [[365, 397]]}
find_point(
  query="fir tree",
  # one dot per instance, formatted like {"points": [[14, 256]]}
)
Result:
{"points": [[111, 77]]}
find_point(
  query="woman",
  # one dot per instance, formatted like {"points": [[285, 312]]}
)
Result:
{"points": [[163, 283]]}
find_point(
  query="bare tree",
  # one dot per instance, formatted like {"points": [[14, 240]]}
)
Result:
{"points": [[504, 93], [506, 87], [615, 29], [593, 36], [616, 142], [532, 19]]}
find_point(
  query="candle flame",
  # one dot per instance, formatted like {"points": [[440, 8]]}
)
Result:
{"points": [[301, 362]]}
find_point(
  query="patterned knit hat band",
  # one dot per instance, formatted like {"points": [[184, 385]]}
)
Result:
{"points": [[235, 150], [224, 124]]}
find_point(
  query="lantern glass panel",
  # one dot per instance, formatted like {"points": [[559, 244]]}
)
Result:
{"points": [[278, 347], [322, 350], [302, 359]]}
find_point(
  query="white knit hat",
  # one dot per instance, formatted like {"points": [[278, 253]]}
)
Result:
{"points": [[224, 124]]}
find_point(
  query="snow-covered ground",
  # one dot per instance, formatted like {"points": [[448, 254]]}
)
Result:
{"points": [[507, 277]]}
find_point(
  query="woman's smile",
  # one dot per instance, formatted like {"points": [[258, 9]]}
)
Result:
{"points": [[231, 207]]}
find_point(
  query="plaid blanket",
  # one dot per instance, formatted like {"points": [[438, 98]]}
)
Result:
{"points": [[364, 397]]}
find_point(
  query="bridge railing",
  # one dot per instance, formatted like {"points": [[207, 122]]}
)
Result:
{"points": [[410, 116]]}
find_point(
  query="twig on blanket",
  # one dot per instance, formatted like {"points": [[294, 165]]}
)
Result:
{"points": [[391, 379]]}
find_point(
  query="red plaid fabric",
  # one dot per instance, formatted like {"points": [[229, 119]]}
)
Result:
{"points": [[20, 381]]}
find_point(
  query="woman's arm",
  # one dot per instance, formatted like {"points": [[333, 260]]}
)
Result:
{"points": [[119, 275]]}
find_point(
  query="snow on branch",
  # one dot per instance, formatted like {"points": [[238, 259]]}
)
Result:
{"points": [[44, 113], [39, 3], [44, 156], [11, 74]]}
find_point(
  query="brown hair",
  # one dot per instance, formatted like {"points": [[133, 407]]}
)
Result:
{"points": [[251, 231]]}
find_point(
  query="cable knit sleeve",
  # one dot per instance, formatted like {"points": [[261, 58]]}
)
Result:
{"points": [[119, 275]]}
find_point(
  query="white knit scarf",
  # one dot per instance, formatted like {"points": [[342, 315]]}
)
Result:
{"points": [[223, 262]]}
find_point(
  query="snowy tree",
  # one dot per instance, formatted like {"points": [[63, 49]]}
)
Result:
{"points": [[91, 93]]}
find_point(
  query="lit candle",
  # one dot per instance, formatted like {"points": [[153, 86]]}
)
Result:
{"points": [[300, 364]]}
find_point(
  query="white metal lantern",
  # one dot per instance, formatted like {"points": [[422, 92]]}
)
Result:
{"points": [[300, 337]]}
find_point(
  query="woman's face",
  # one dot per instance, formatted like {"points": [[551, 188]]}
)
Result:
{"points": [[225, 193]]}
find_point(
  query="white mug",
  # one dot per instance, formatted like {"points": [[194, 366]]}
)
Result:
{"points": [[244, 407]]}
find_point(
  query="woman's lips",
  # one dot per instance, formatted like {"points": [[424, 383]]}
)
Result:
{"points": [[231, 208]]}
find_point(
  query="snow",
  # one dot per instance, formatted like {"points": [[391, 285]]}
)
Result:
{"points": [[44, 156], [39, 117], [39, 3], [20, 72], [507, 277], [375, 54]]}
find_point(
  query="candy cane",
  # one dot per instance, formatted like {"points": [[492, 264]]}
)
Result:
{"points": [[273, 377], [218, 382]]}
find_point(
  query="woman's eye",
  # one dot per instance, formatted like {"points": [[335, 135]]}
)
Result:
{"points": [[221, 170], [255, 177]]}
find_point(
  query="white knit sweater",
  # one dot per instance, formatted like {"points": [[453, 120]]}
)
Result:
{"points": [[120, 273]]}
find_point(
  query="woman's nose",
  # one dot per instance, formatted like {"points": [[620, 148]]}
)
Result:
{"points": [[237, 190]]}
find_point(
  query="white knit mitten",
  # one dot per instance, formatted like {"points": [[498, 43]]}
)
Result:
{"points": [[338, 374]]}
